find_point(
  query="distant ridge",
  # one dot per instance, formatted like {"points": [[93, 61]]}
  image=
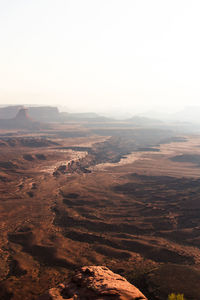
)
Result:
{"points": [[49, 114], [38, 113], [87, 116], [144, 121]]}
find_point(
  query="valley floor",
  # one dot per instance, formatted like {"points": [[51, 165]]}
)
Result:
{"points": [[100, 200]]}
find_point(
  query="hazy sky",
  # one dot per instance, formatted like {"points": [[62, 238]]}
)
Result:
{"points": [[100, 54]]}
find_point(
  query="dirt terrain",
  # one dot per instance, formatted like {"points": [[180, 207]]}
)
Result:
{"points": [[77, 195]]}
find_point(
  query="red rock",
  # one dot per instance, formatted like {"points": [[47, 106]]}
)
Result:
{"points": [[97, 283]]}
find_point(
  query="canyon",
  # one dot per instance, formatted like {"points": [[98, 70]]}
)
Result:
{"points": [[78, 194]]}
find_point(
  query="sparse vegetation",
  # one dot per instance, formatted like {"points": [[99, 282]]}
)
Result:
{"points": [[176, 297], [121, 216]]}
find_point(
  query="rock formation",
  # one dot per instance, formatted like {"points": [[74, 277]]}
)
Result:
{"points": [[40, 113], [21, 121], [45, 114], [22, 118], [95, 282], [9, 112]]}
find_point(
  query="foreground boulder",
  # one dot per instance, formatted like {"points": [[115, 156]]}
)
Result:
{"points": [[95, 282]]}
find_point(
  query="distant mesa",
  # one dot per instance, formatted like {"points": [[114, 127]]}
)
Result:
{"points": [[49, 114], [22, 114], [40, 113], [9, 112], [22, 120], [45, 114]]}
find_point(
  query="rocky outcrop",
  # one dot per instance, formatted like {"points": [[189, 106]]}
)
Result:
{"points": [[95, 282], [40, 113], [22, 115], [9, 112], [21, 121]]}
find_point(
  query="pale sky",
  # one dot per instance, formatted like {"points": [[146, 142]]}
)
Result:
{"points": [[100, 54]]}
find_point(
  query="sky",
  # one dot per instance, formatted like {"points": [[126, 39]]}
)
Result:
{"points": [[100, 55]]}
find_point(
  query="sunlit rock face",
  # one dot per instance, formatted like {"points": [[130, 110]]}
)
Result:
{"points": [[95, 282]]}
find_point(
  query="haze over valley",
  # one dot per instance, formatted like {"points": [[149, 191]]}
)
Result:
{"points": [[82, 189], [99, 150]]}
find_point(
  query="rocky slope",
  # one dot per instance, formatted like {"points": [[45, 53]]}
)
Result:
{"points": [[95, 282]]}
